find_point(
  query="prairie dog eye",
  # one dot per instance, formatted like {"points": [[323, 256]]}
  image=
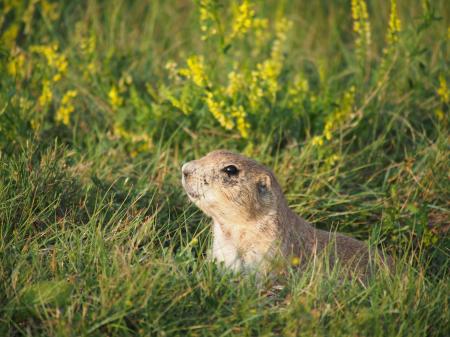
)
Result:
{"points": [[231, 170]]}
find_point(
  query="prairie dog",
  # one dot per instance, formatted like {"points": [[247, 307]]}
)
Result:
{"points": [[252, 222]]}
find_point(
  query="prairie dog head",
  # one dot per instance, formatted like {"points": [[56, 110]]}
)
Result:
{"points": [[230, 187]]}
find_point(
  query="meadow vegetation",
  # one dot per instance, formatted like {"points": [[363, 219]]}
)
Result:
{"points": [[102, 101]]}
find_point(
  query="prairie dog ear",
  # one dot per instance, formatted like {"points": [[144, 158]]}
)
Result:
{"points": [[264, 184]]}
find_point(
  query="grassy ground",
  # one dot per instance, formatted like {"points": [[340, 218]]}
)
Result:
{"points": [[102, 101]]}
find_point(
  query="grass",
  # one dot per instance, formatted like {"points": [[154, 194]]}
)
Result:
{"points": [[97, 236]]}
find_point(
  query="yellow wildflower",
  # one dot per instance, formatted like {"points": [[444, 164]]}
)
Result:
{"points": [[90, 70], [243, 19], [317, 141], [327, 130], [208, 18], [439, 114], [143, 141], [394, 27], [120, 131], [268, 73], [392, 39], [264, 80], [260, 23], [341, 114], [15, 67], [114, 98], [171, 68], [332, 160], [262, 35], [196, 71], [180, 104], [66, 107], [295, 261], [217, 110], [35, 124], [56, 61], [183, 102], [235, 83], [46, 95], [242, 125], [297, 91], [87, 45], [68, 96], [8, 38], [50, 10], [282, 27], [443, 91], [28, 15], [361, 26]]}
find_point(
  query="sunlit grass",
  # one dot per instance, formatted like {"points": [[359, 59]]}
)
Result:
{"points": [[102, 102]]}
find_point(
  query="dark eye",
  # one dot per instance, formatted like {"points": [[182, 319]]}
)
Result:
{"points": [[231, 170]]}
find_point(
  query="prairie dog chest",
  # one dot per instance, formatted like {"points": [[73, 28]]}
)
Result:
{"points": [[237, 247], [226, 246]]}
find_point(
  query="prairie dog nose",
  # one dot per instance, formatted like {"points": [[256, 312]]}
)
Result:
{"points": [[186, 169]]}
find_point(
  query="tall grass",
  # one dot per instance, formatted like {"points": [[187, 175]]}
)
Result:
{"points": [[102, 101]]}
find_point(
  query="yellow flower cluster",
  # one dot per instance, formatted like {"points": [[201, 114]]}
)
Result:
{"points": [[114, 97], [246, 90], [115, 94], [394, 27], [242, 22], [341, 114], [297, 91], [208, 18], [172, 69], [87, 43], [262, 34], [88, 46], [66, 108], [295, 261], [182, 103], [392, 39], [217, 109], [46, 95], [282, 28], [235, 83], [361, 26], [444, 94], [242, 125], [50, 10], [443, 91], [195, 71], [143, 140], [332, 160], [317, 141], [264, 80], [8, 38], [267, 74], [57, 62], [244, 18], [16, 67]]}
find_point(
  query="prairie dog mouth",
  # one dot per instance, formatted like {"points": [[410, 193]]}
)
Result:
{"points": [[192, 194], [189, 190]]}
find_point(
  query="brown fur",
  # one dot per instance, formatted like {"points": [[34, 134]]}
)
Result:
{"points": [[252, 220]]}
